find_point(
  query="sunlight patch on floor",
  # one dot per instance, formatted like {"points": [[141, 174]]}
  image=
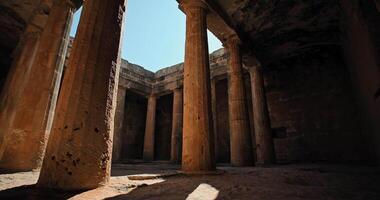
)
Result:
{"points": [[205, 192]]}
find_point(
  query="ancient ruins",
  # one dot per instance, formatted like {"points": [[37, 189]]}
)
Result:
{"points": [[288, 109]]}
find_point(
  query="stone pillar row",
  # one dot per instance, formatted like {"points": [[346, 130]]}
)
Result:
{"points": [[28, 100], [149, 139], [198, 123], [79, 151]]}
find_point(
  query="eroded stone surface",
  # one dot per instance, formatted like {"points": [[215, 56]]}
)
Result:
{"points": [[79, 151]]}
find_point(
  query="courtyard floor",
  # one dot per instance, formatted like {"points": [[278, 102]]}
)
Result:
{"points": [[162, 181]]}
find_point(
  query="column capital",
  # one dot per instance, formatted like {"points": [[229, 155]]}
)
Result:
{"points": [[251, 62], [188, 4], [232, 41], [152, 96]]}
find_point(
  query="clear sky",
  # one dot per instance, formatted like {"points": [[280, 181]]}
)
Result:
{"points": [[154, 34]]}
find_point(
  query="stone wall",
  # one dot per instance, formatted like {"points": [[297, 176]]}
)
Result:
{"points": [[136, 78], [361, 30], [312, 109]]}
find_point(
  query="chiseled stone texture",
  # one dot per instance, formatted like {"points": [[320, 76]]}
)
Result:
{"points": [[312, 109], [28, 100]]}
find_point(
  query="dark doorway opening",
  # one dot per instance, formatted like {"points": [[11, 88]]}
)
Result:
{"points": [[163, 127], [134, 126]]}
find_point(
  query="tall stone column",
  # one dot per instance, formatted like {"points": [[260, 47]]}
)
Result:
{"points": [[119, 124], [148, 153], [28, 102], [241, 146], [263, 132], [198, 137], [79, 150], [176, 142], [214, 117]]}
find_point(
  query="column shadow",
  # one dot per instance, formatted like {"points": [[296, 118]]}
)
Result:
{"points": [[32, 192], [177, 187]]}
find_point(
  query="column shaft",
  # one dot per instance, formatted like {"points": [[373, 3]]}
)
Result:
{"points": [[79, 150], [241, 146], [148, 153], [27, 110], [119, 124], [263, 134], [198, 137], [177, 125], [214, 117]]}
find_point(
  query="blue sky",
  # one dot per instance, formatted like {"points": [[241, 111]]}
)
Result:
{"points": [[154, 34]]}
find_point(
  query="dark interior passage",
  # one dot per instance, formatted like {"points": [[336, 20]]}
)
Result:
{"points": [[163, 127], [134, 126], [223, 132]]}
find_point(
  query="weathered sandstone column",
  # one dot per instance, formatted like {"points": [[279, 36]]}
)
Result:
{"points": [[177, 125], [264, 141], [241, 147], [119, 124], [148, 153], [214, 116], [79, 150], [28, 102], [198, 137]]}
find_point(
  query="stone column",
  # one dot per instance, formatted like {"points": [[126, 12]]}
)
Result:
{"points": [[241, 146], [79, 150], [198, 137], [214, 117], [29, 100], [148, 153], [263, 132], [119, 124], [176, 143]]}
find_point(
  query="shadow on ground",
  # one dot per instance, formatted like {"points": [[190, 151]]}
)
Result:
{"points": [[295, 182], [278, 182], [32, 192]]}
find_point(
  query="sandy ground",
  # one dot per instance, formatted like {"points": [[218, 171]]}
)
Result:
{"points": [[276, 182]]}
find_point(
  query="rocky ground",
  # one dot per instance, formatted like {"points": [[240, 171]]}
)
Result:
{"points": [[276, 182]]}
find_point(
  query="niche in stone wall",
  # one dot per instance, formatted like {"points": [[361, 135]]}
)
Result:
{"points": [[163, 127], [134, 126]]}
